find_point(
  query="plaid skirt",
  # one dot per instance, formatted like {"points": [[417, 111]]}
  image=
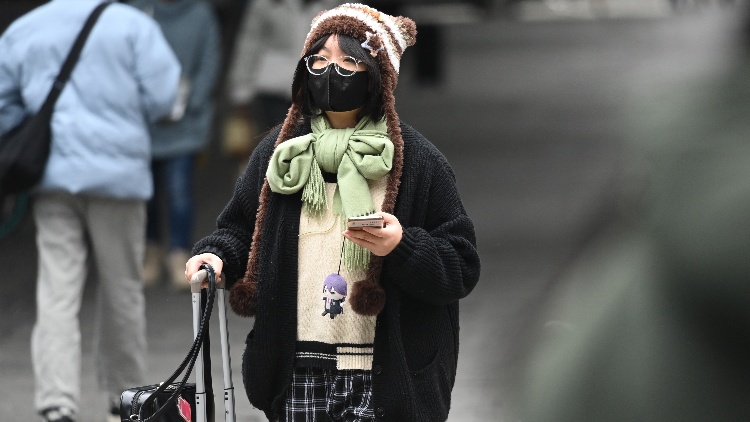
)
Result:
{"points": [[319, 395]]}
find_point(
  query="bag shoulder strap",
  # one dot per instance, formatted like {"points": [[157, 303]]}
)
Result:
{"points": [[187, 364], [75, 52]]}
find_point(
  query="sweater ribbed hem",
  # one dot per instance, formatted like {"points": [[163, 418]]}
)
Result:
{"points": [[313, 354]]}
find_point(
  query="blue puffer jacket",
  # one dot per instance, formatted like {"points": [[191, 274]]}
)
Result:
{"points": [[126, 76]]}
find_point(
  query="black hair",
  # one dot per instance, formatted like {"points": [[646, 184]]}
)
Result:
{"points": [[373, 106]]}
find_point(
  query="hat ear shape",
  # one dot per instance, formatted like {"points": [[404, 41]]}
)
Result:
{"points": [[408, 30]]}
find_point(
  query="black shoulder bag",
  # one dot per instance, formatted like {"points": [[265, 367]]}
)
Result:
{"points": [[24, 150]]}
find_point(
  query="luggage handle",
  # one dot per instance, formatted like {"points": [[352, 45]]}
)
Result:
{"points": [[192, 358], [200, 386]]}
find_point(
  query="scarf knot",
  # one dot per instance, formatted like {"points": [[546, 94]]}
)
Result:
{"points": [[355, 155]]}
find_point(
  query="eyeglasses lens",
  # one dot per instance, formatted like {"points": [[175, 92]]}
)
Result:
{"points": [[345, 65]]}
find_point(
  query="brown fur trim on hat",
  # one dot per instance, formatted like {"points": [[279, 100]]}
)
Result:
{"points": [[344, 25], [243, 296], [244, 301]]}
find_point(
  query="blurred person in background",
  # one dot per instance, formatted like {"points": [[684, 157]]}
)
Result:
{"points": [[266, 51], [349, 324], [652, 323], [192, 31], [90, 207]]}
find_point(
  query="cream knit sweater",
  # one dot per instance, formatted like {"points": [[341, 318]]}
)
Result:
{"points": [[344, 341]]}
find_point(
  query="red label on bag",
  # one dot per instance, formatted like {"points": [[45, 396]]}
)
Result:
{"points": [[183, 407]]}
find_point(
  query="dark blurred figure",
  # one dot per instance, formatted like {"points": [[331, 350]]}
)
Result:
{"points": [[266, 52], [229, 15], [11, 10], [91, 202], [653, 320], [192, 30]]}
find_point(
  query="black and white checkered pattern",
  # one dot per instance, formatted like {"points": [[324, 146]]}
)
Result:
{"points": [[318, 395]]}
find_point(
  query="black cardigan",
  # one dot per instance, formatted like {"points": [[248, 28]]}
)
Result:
{"points": [[416, 337]]}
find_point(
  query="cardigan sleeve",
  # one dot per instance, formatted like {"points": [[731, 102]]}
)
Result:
{"points": [[234, 227], [437, 260]]}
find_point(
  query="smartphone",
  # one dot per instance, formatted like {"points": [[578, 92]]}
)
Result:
{"points": [[356, 223]]}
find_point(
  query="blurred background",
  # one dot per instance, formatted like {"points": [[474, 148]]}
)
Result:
{"points": [[601, 148]]}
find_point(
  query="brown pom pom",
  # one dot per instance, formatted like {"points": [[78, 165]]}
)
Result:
{"points": [[242, 298], [367, 297]]}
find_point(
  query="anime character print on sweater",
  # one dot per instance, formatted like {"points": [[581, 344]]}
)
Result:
{"points": [[331, 336], [334, 295]]}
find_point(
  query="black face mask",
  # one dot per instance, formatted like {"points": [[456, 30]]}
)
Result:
{"points": [[333, 92]]}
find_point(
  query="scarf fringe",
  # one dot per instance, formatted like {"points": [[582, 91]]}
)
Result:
{"points": [[355, 257], [314, 193]]}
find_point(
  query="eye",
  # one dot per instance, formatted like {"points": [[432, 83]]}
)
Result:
{"points": [[317, 61], [349, 63]]}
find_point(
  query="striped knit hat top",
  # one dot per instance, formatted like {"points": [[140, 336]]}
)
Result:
{"points": [[385, 38], [378, 32]]}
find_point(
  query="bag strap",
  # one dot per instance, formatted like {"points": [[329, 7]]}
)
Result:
{"points": [[189, 361], [75, 52]]}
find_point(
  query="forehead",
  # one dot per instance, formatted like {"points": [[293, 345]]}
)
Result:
{"points": [[332, 46]]}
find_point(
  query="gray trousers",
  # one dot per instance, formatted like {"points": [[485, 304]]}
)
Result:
{"points": [[74, 231]]}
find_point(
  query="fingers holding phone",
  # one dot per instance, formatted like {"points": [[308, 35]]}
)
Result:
{"points": [[380, 233]]}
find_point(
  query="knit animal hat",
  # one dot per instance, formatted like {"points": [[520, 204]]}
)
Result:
{"points": [[378, 32], [385, 38]]}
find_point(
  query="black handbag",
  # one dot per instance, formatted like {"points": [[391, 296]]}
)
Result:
{"points": [[171, 400], [24, 150], [180, 411]]}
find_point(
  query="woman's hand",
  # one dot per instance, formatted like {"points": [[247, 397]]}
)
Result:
{"points": [[378, 241], [194, 264]]}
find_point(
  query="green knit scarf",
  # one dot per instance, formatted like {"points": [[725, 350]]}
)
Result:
{"points": [[358, 154]]}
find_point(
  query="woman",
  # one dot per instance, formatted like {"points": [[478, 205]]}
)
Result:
{"points": [[386, 346]]}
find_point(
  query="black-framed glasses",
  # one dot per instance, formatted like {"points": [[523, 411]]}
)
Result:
{"points": [[344, 65]]}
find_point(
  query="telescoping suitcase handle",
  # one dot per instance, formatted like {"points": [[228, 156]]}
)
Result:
{"points": [[200, 383], [148, 411]]}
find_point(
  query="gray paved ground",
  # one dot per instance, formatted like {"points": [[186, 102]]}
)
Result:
{"points": [[529, 115]]}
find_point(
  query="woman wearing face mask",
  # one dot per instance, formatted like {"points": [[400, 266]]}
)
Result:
{"points": [[348, 324]]}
